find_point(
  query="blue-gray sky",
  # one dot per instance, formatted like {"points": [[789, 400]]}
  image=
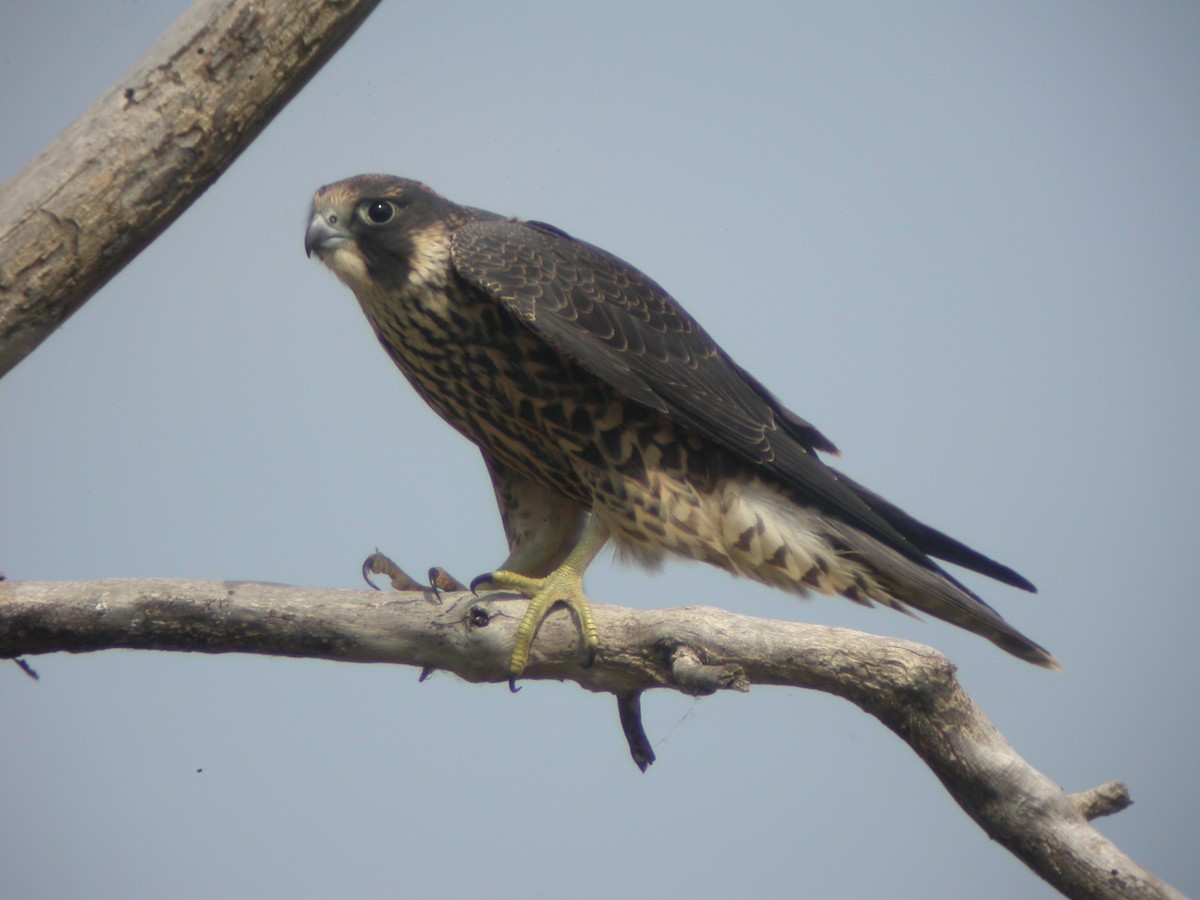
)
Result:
{"points": [[962, 239]]}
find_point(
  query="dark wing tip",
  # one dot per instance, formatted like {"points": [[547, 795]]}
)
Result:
{"points": [[1018, 645], [936, 543]]}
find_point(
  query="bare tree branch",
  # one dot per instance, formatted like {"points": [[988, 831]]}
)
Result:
{"points": [[908, 687], [1103, 800], [134, 161], [119, 175]]}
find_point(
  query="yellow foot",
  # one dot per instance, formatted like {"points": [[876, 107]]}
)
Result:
{"points": [[560, 586], [563, 585]]}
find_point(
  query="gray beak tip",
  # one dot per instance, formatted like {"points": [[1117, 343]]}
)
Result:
{"points": [[322, 236]]}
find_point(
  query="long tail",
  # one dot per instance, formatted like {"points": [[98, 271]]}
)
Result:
{"points": [[772, 538]]}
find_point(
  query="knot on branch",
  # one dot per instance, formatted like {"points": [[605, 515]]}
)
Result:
{"points": [[697, 677], [1102, 800]]}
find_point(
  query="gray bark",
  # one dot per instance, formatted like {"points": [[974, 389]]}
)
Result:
{"points": [[124, 170], [696, 650], [118, 176]]}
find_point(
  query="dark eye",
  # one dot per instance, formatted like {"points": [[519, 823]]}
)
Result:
{"points": [[380, 212]]}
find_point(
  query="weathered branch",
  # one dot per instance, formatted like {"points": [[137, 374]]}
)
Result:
{"points": [[1103, 800], [908, 687], [119, 175], [133, 162]]}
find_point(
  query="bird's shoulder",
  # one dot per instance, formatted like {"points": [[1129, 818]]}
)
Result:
{"points": [[624, 327], [543, 268]]}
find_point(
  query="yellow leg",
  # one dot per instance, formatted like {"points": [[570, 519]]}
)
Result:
{"points": [[563, 585]]}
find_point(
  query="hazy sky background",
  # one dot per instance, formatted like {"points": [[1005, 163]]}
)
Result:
{"points": [[962, 239]]}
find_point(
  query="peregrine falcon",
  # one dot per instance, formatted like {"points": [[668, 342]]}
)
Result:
{"points": [[605, 412]]}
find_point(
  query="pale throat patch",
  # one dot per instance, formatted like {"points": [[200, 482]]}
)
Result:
{"points": [[430, 256], [428, 265], [348, 264]]}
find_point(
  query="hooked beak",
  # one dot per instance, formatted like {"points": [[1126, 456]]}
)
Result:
{"points": [[324, 233]]}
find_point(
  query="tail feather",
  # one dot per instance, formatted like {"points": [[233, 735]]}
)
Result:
{"points": [[772, 538]]}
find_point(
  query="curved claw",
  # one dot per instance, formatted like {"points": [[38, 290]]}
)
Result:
{"points": [[444, 581], [433, 584], [380, 564], [512, 684], [477, 581], [366, 573]]}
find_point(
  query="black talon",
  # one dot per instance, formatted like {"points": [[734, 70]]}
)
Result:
{"points": [[433, 583], [512, 684], [379, 564], [591, 657], [366, 572], [478, 580]]}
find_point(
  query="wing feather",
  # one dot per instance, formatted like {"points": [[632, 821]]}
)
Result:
{"points": [[621, 326]]}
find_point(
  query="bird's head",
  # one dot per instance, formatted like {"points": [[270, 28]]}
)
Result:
{"points": [[379, 231]]}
